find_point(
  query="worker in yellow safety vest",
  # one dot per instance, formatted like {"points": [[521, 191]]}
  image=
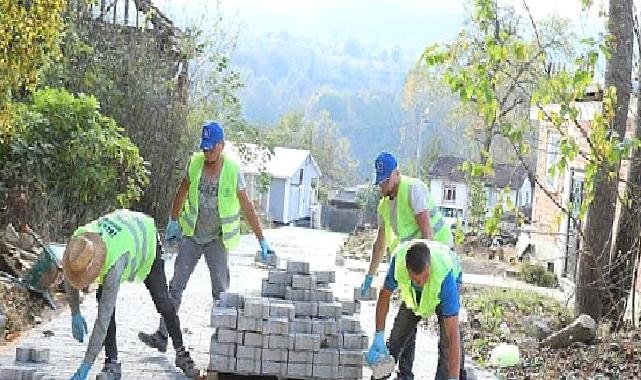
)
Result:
{"points": [[207, 208], [426, 273], [122, 246]]}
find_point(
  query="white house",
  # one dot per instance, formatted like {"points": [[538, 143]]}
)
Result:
{"points": [[449, 188], [293, 180]]}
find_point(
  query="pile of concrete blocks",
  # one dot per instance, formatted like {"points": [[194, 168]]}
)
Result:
{"points": [[27, 357], [296, 329]]}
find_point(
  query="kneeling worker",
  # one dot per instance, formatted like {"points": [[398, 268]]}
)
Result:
{"points": [[426, 273], [118, 247]]}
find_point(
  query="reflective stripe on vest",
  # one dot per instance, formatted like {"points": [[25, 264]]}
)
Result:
{"points": [[228, 203], [125, 231], [442, 261], [134, 232], [405, 220]]}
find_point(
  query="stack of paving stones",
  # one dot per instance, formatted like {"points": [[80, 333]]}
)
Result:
{"points": [[28, 366], [295, 330]]}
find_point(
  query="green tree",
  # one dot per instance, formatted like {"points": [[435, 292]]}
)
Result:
{"points": [[321, 137], [72, 158], [29, 32]]}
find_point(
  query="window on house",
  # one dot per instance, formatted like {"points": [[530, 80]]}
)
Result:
{"points": [[552, 158], [449, 193]]}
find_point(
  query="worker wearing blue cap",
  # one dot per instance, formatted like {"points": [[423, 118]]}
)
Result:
{"points": [[206, 212], [406, 212]]}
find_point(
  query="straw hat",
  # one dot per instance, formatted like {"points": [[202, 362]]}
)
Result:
{"points": [[83, 259]]}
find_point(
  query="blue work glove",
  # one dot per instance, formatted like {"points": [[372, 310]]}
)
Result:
{"points": [[265, 250], [378, 348], [82, 373], [78, 327], [173, 232], [367, 283]]}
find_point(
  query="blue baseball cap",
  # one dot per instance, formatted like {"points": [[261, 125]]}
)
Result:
{"points": [[385, 164], [212, 135]]}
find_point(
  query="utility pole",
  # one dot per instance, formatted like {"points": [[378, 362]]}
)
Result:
{"points": [[423, 118]]}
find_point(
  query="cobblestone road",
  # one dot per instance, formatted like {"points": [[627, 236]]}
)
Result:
{"points": [[135, 311]]}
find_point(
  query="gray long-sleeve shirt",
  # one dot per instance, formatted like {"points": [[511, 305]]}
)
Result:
{"points": [[106, 306]]}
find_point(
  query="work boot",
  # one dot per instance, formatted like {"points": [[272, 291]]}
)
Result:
{"points": [[186, 364], [155, 340], [111, 371]]}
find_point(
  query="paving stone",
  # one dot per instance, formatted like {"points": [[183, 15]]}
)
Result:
{"points": [[272, 260], [301, 356], [247, 352], [282, 309], [273, 290], [321, 295], [324, 327], [275, 354], [276, 326], [299, 370], [248, 366], [221, 363], [223, 349], [327, 356], [349, 324], [325, 372], [330, 310], [330, 326], [224, 317], [23, 354], [276, 276], [39, 355], [232, 300], [318, 328], [246, 323], [372, 294], [252, 339], [257, 307], [355, 341], [279, 341], [297, 294], [333, 341], [350, 307], [309, 342], [301, 326], [298, 267], [325, 277], [228, 336], [350, 372], [306, 309], [352, 358], [304, 281], [17, 373], [274, 368]]}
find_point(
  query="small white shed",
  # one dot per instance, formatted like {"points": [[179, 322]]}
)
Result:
{"points": [[293, 188]]}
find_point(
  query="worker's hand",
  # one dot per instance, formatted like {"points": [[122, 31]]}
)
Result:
{"points": [[265, 250], [367, 283], [172, 234], [378, 348], [82, 373], [78, 327]]}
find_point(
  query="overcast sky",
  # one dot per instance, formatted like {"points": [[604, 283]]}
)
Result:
{"points": [[409, 23]]}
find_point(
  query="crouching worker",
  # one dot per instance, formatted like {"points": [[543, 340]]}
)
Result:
{"points": [[428, 275], [118, 247]]}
